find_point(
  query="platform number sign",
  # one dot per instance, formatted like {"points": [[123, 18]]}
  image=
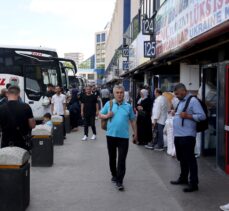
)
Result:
{"points": [[150, 49], [147, 26], [125, 65], [125, 52]]}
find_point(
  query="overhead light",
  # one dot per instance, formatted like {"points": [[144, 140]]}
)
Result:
{"points": [[169, 62]]}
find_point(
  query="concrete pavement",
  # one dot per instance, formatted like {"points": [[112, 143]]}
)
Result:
{"points": [[80, 181]]}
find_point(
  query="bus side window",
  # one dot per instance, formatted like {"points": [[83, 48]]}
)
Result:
{"points": [[45, 78], [33, 82], [53, 77]]}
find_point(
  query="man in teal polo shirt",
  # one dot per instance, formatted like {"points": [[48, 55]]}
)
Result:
{"points": [[118, 133]]}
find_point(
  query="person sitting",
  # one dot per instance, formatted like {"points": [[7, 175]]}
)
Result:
{"points": [[47, 120]]}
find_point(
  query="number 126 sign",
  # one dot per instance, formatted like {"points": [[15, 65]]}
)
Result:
{"points": [[150, 49]]}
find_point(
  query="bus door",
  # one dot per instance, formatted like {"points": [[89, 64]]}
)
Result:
{"points": [[68, 68], [36, 79]]}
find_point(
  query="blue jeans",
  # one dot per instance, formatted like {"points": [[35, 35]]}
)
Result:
{"points": [[159, 140]]}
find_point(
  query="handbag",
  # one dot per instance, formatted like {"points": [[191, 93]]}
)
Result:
{"points": [[104, 121], [141, 113], [154, 135], [45, 101]]}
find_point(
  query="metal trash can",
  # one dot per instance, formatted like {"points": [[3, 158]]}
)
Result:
{"points": [[58, 130], [67, 122], [42, 142], [14, 179]]}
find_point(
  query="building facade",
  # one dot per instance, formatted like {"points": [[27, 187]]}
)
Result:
{"points": [[119, 24], [76, 57], [88, 63], [89, 74], [171, 41], [100, 52]]}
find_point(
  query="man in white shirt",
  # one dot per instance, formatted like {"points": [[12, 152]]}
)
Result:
{"points": [[159, 116], [58, 104]]}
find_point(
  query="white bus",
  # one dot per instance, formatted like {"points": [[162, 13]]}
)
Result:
{"points": [[32, 69], [78, 82]]}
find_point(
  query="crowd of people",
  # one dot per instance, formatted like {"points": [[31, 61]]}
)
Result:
{"points": [[17, 116], [162, 121], [157, 122]]}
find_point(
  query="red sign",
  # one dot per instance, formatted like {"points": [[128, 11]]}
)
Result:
{"points": [[2, 81], [179, 21], [36, 54]]}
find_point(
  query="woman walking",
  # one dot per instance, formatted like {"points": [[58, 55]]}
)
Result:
{"points": [[74, 109]]}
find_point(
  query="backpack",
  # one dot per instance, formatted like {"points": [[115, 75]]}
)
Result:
{"points": [[202, 125], [104, 121]]}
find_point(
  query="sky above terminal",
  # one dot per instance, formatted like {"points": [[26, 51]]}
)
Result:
{"points": [[65, 25]]}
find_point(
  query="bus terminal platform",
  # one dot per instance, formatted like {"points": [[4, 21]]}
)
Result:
{"points": [[79, 180]]}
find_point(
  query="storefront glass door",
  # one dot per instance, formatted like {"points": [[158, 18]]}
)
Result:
{"points": [[209, 96]]}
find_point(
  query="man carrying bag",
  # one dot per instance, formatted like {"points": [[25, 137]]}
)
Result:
{"points": [[16, 120]]}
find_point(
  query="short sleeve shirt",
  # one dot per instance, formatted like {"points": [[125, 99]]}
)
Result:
{"points": [[14, 115], [89, 102], [58, 102], [118, 125]]}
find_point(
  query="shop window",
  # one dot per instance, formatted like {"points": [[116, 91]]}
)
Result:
{"points": [[168, 82]]}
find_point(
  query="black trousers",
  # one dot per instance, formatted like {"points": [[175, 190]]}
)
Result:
{"points": [[74, 119], [185, 154], [121, 146], [89, 121]]}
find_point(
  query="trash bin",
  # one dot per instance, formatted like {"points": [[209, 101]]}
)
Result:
{"points": [[42, 142], [67, 122], [58, 130], [14, 179]]}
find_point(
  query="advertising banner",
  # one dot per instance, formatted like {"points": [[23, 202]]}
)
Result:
{"points": [[179, 21]]}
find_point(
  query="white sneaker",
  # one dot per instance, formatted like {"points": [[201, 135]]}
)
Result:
{"points": [[84, 138], [224, 207], [93, 137]]}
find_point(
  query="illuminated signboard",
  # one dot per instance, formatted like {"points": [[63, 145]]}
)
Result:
{"points": [[179, 21]]}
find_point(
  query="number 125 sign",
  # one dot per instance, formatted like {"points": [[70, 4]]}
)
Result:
{"points": [[150, 49]]}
